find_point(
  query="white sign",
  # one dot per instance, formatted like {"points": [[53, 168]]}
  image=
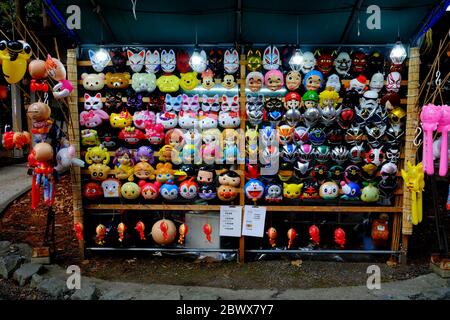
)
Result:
{"points": [[254, 221], [230, 221]]}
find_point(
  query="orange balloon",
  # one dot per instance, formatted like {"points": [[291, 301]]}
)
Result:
{"points": [[164, 232]]}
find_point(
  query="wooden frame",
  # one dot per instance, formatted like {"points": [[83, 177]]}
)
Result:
{"points": [[400, 210]]}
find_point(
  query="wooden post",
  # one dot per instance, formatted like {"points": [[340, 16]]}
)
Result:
{"points": [[412, 122], [16, 114], [242, 101], [74, 138]]}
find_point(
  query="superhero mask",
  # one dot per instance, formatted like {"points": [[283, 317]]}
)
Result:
{"points": [[292, 117], [274, 107], [375, 63], [271, 58], [375, 133], [325, 63], [388, 171], [342, 63], [311, 116], [254, 81], [254, 60], [254, 189], [313, 80], [286, 172], [377, 82], [351, 99], [322, 153], [289, 153], [394, 133], [339, 154], [329, 190], [231, 61], [207, 192], [274, 80], [352, 173], [317, 136], [255, 109], [301, 135], [302, 169], [252, 171], [395, 115], [334, 83], [305, 152], [168, 61], [118, 59], [359, 62], [309, 62], [113, 102], [99, 59], [293, 80], [346, 118], [134, 102], [375, 156], [273, 193], [152, 61], [354, 135], [335, 135], [136, 60], [357, 153], [285, 134], [336, 173], [251, 142], [201, 64], [215, 61], [320, 173], [183, 61], [393, 82], [393, 154], [369, 101]]}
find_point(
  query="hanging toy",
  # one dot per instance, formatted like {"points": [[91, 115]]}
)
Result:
{"points": [[207, 230], [339, 237], [272, 234], [78, 228], [39, 114], [57, 71], [14, 56], [291, 234], [38, 73], [444, 128], [140, 228], [380, 229], [100, 234], [65, 158], [40, 160], [254, 190], [430, 117], [17, 140], [414, 180], [164, 232], [121, 228], [183, 231], [314, 233]]}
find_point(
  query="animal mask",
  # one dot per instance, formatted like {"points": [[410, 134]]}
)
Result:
{"points": [[254, 60], [136, 60], [14, 56], [93, 81], [228, 81], [168, 61], [190, 103], [168, 83], [201, 65], [93, 118], [292, 190], [188, 81], [173, 103], [183, 61], [93, 102], [143, 82], [271, 58], [55, 68], [254, 81], [231, 61], [208, 79], [152, 61], [210, 103], [169, 120], [187, 120], [215, 61], [230, 103], [309, 62], [274, 80], [120, 120], [342, 63], [119, 59], [99, 59], [117, 80]]}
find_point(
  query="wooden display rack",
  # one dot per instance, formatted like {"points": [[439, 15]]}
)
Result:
{"points": [[401, 210]]}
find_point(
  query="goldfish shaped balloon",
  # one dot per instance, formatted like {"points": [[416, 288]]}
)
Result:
{"points": [[78, 228], [414, 180], [314, 233], [339, 237], [183, 231], [14, 55], [164, 232], [140, 228], [121, 228], [291, 234], [272, 234], [207, 230]]}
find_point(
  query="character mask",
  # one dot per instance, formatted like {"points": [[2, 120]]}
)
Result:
{"points": [[325, 63], [99, 61], [254, 81], [342, 63], [359, 62], [274, 80], [202, 64], [309, 62], [393, 82], [168, 61], [293, 80], [313, 80], [152, 62], [215, 62], [271, 58], [183, 61], [334, 82], [254, 60], [377, 82], [231, 61]]}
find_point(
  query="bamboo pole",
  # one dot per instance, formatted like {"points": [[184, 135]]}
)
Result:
{"points": [[412, 122], [74, 137]]}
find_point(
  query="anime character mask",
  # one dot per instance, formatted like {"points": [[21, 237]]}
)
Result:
{"points": [[173, 104], [208, 79], [231, 61], [274, 80], [309, 62], [215, 61], [271, 58], [254, 60], [168, 61], [255, 109], [293, 80], [325, 63], [188, 81], [254, 81], [136, 60], [342, 63], [313, 80], [201, 65], [393, 82], [359, 62], [152, 61]]}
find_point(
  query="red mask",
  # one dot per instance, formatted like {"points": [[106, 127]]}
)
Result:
{"points": [[359, 62], [325, 63], [183, 62]]}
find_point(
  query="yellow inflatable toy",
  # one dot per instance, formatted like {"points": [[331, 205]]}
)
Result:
{"points": [[14, 56], [414, 180]]}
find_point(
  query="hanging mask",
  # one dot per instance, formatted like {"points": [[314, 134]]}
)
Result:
{"points": [[396, 116], [375, 156], [228, 81], [173, 104], [358, 84], [320, 173], [346, 118], [210, 104], [268, 136], [118, 59], [325, 63], [289, 153], [302, 169], [309, 62], [377, 82], [183, 61], [354, 135], [351, 99], [317, 136], [231, 61], [99, 59], [202, 63], [215, 62], [388, 171], [255, 109], [14, 56], [322, 153], [254, 60], [375, 63], [301, 135], [286, 172], [254, 81], [168, 61], [357, 153], [310, 99], [359, 62], [394, 134], [311, 116], [292, 101], [393, 154], [369, 100], [335, 135], [375, 133], [254, 189], [285, 134], [188, 81], [342, 63], [271, 58], [273, 193], [208, 79], [293, 80], [310, 189], [274, 80], [313, 80], [152, 61], [328, 115], [329, 190], [393, 82], [334, 83], [292, 117], [274, 108], [113, 102], [339, 154], [305, 152], [134, 102], [352, 173], [336, 173], [136, 60]]}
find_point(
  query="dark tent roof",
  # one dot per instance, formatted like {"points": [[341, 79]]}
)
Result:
{"points": [[175, 21]]}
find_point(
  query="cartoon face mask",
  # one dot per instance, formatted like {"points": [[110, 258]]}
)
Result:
{"points": [[210, 103], [99, 59], [271, 58], [254, 60], [136, 60], [152, 61], [313, 80], [293, 80], [231, 61], [190, 103], [201, 65], [173, 104], [215, 61], [274, 80], [255, 109], [377, 82], [93, 102], [254, 81], [168, 61], [342, 63], [309, 62], [393, 82]]}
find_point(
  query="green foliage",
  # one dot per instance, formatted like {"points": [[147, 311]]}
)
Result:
{"points": [[32, 11]]}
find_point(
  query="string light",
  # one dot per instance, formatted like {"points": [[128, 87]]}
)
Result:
{"points": [[296, 61]]}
